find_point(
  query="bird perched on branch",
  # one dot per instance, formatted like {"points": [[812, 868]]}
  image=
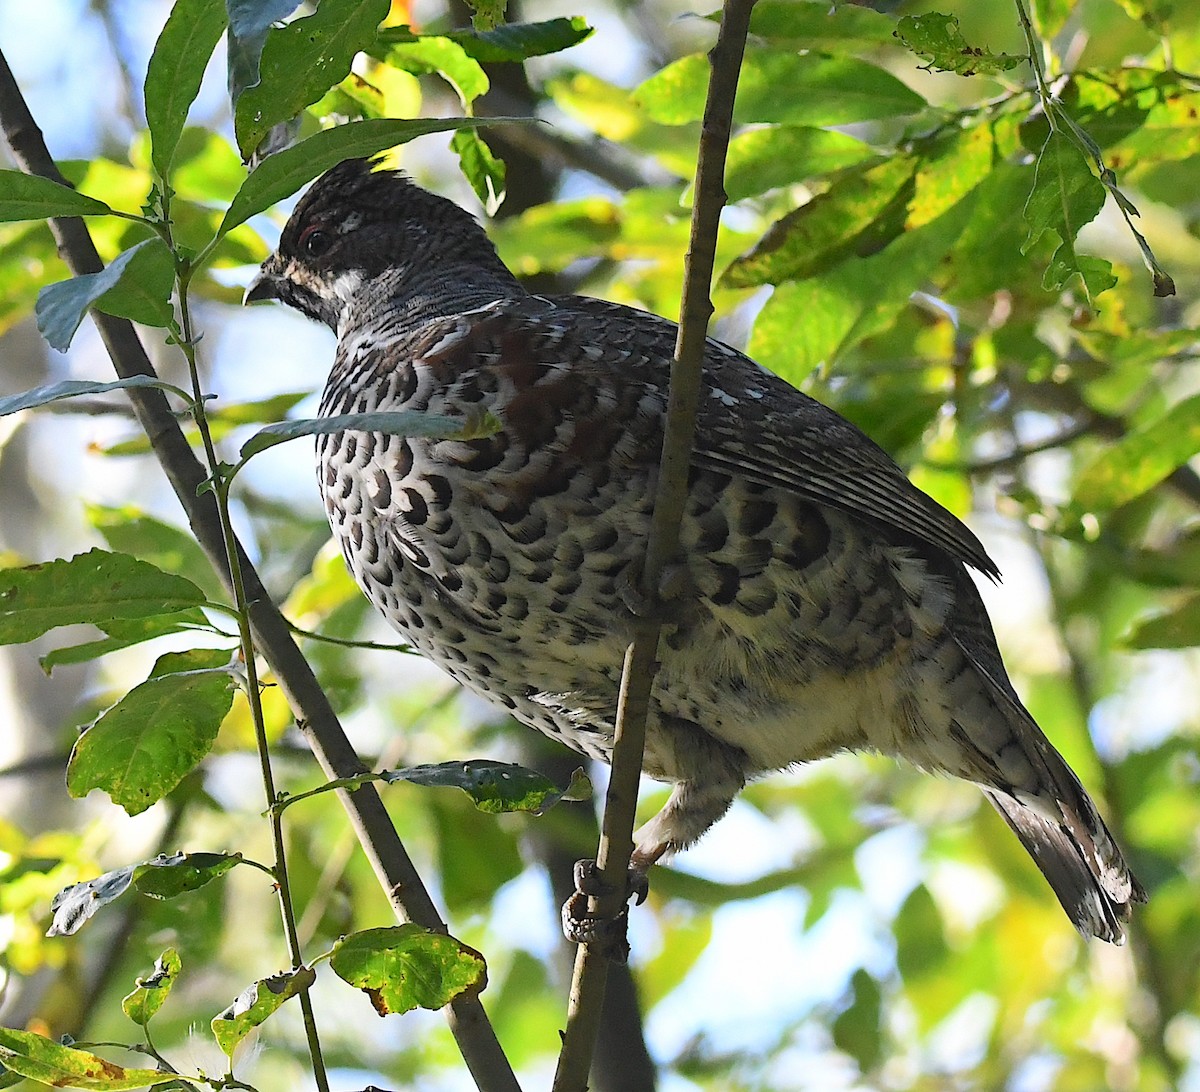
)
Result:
{"points": [[823, 602]]}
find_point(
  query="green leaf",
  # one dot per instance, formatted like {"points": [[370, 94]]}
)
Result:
{"points": [[256, 1003], [143, 293], [1175, 628], [549, 237], [141, 748], [496, 786], [860, 213], [249, 23], [163, 876], [150, 992], [516, 42], [432, 53], [818, 24], [782, 86], [487, 14], [807, 322], [1050, 16], [75, 388], [397, 423], [857, 1031], [1065, 197], [130, 530], [94, 587], [283, 173], [125, 633], [764, 159], [938, 38], [1141, 459], [406, 967], [44, 1060], [482, 169], [168, 876], [31, 197], [176, 69], [61, 307], [301, 61]]}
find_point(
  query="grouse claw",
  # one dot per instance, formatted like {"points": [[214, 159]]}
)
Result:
{"points": [[581, 925]]}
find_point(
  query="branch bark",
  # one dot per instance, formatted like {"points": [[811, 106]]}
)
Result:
{"points": [[637, 680], [405, 890]]}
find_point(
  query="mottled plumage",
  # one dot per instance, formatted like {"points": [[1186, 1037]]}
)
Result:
{"points": [[826, 603]]}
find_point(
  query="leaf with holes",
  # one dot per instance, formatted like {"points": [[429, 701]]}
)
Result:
{"points": [[301, 61], [256, 1003], [938, 38], [150, 992], [407, 967], [496, 786], [161, 877]]}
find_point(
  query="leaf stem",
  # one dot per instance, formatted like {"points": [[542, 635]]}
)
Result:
{"points": [[187, 344]]}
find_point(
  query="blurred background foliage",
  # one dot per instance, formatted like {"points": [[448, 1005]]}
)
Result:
{"points": [[850, 925]]}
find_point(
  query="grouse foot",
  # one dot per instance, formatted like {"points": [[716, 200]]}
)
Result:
{"points": [[582, 925]]}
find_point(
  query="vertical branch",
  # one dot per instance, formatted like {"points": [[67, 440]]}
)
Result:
{"points": [[315, 716], [637, 679]]}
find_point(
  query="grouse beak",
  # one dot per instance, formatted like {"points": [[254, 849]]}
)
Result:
{"points": [[266, 283]]}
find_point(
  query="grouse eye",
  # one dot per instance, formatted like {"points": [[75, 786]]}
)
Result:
{"points": [[314, 242]]}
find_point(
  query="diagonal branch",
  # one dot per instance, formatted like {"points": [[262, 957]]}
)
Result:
{"points": [[591, 963], [315, 716]]}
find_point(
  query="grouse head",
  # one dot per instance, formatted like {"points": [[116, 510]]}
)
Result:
{"points": [[367, 237]]}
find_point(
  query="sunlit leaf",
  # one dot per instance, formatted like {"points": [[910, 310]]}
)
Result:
{"points": [[1066, 195], [859, 214], [496, 786], [124, 633], [432, 53], [138, 750], [43, 1060], [148, 996], [937, 37], [176, 68], [162, 877], [93, 587], [762, 159], [406, 967], [782, 86], [487, 14], [817, 24], [1141, 459], [282, 174], [480, 167], [301, 61], [256, 1003]]}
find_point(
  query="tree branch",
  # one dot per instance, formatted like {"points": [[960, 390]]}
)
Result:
{"points": [[591, 964], [407, 893]]}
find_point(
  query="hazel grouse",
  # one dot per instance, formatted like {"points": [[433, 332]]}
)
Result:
{"points": [[828, 605]]}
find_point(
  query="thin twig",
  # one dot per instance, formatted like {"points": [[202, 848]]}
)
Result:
{"points": [[591, 963], [403, 886]]}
